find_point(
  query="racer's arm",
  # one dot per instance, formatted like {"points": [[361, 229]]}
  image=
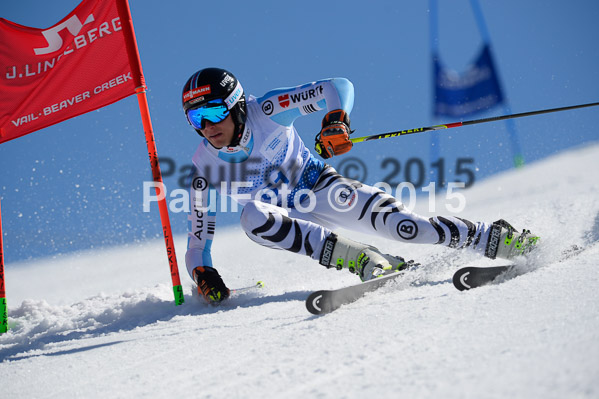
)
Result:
{"points": [[198, 258], [336, 95], [201, 225], [286, 104]]}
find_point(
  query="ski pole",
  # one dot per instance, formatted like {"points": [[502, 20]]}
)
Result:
{"points": [[466, 123], [259, 284]]}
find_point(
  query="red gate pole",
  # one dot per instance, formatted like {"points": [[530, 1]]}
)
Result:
{"points": [[135, 63], [3, 310]]}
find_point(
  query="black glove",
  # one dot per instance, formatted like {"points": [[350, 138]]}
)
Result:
{"points": [[333, 139], [210, 284]]}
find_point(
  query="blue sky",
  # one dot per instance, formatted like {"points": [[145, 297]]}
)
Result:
{"points": [[79, 184]]}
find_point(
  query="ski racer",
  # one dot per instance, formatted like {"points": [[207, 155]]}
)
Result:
{"points": [[292, 200]]}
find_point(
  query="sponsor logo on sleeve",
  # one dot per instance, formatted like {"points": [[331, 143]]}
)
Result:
{"points": [[284, 100]]}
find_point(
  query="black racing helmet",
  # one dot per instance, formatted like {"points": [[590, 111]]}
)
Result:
{"points": [[211, 88]]}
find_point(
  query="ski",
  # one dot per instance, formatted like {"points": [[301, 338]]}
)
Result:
{"points": [[472, 277], [325, 301]]}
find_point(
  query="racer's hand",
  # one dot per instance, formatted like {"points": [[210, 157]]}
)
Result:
{"points": [[210, 284], [333, 138]]}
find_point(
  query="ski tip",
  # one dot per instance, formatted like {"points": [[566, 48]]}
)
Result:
{"points": [[460, 280], [470, 277], [315, 304]]}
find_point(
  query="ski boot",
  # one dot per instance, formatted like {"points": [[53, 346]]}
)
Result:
{"points": [[365, 260], [506, 243]]}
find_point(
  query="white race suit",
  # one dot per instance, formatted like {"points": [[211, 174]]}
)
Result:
{"points": [[292, 200]]}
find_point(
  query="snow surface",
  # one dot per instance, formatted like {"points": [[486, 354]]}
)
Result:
{"points": [[103, 323]]}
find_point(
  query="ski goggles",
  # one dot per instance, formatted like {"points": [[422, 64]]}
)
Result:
{"points": [[214, 111]]}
